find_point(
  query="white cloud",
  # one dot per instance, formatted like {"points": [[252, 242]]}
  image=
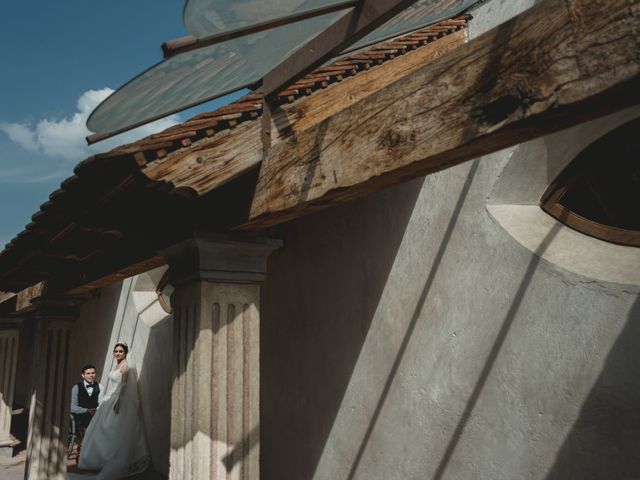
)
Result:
{"points": [[21, 134], [65, 138]]}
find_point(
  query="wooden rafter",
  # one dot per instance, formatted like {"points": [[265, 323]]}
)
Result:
{"points": [[558, 64]]}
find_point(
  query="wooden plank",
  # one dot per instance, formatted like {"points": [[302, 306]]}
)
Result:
{"points": [[25, 296], [309, 112], [558, 64], [4, 296], [212, 162]]}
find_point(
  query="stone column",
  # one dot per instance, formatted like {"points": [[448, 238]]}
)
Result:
{"points": [[9, 336], [50, 400], [215, 425]]}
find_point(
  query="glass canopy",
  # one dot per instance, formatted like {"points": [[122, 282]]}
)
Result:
{"points": [[203, 18], [197, 76], [421, 14]]}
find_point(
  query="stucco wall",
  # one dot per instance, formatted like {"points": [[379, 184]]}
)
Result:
{"points": [[129, 311], [415, 335], [423, 333], [410, 336]]}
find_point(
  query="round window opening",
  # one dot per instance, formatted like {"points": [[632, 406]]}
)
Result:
{"points": [[598, 193]]}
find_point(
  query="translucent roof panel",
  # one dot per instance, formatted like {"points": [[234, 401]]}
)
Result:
{"points": [[421, 14], [196, 76], [203, 18]]}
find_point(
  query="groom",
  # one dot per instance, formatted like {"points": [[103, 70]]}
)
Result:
{"points": [[86, 396]]}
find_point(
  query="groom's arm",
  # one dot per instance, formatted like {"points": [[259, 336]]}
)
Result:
{"points": [[75, 408]]}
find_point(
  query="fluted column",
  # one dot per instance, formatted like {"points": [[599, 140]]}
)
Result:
{"points": [[8, 359], [215, 425], [50, 400]]}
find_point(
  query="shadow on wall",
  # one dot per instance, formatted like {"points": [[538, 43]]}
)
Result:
{"points": [[155, 392], [302, 331], [604, 442], [147, 328], [92, 331], [22, 386], [490, 114], [129, 312]]}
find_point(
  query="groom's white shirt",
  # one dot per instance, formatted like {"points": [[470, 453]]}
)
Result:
{"points": [[75, 408]]}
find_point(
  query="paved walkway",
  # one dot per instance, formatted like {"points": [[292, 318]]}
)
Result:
{"points": [[13, 469]]}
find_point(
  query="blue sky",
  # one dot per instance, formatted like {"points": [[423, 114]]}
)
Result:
{"points": [[58, 60]]}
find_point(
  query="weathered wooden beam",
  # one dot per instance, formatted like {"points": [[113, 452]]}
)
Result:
{"points": [[25, 296], [211, 162], [310, 111], [4, 296], [558, 64]]}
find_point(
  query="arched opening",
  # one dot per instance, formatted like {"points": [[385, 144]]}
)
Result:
{"points": [[599, 192]]}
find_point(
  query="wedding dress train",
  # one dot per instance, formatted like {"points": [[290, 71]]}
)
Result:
{"points": [[115, 443]]}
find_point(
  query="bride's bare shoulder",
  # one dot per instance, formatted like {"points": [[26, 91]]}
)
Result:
{"points": [[123, 367]]}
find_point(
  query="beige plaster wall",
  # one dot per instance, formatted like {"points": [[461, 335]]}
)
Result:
{"points": [[411, 335], [446, 329]]}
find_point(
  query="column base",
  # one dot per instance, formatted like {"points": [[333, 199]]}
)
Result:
{"points": [[6, 452], [6, 447]]}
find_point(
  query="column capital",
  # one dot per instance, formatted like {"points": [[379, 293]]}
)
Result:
{"points": [[220, 258], [10, 323]]}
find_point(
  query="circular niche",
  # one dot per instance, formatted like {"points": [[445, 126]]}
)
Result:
{"points": [[598, 193], [573, 198]]}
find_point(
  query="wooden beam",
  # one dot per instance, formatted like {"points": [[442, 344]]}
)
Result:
{"points": [[557, 64], [310, 111], [211, 162], [5, 296], [25, 296]]}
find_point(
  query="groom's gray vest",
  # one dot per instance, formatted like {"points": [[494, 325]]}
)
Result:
{"points": [[84, 399]]}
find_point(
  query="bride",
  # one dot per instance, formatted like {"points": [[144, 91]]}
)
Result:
{"points": [[115, 443]]}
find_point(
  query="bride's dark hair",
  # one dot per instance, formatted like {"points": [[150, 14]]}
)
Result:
{"points": [[124, 346]]}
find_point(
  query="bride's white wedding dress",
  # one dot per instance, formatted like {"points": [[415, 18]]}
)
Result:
{"points": [[115, 443]]}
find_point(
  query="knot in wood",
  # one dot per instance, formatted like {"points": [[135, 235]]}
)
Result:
{"points": [[393, 138]]}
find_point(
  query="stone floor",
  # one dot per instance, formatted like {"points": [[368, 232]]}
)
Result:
{"points": [[73, 473], [13, 469]]}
